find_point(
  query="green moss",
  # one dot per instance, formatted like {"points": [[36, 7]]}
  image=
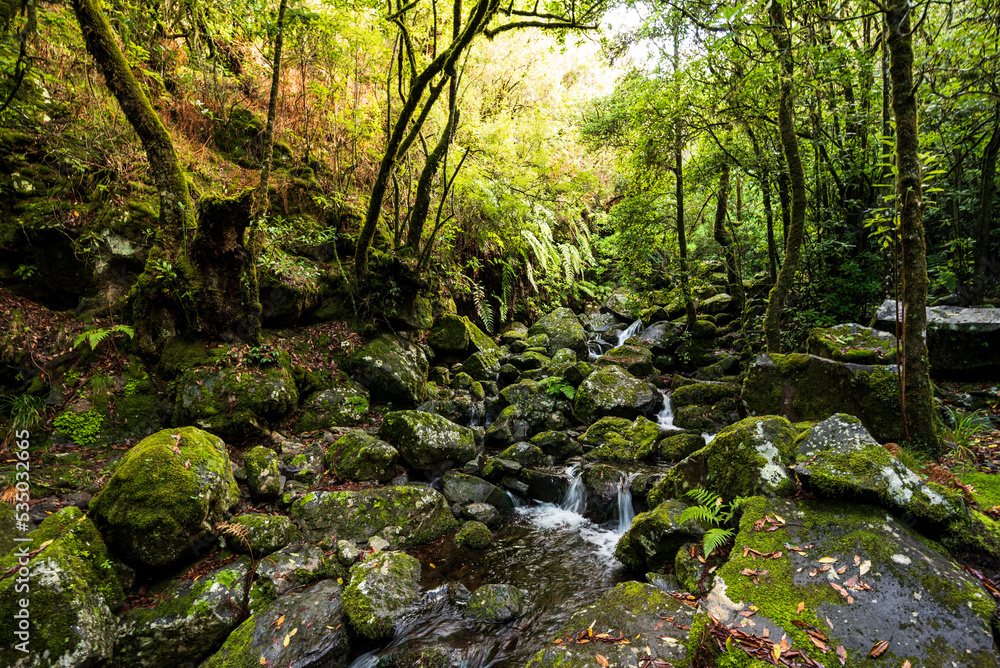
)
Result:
{"points": [[475, 535], [82, 428], [986, 488]]}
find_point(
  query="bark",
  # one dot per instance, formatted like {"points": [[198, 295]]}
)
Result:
{"points": [[724, 237], [796, 180], [679, 194], [918, 407], [984, 225], [785, 198], [272, 103]]}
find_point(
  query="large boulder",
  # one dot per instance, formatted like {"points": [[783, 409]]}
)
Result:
{"points": [[260, 465], [453, 334], [360, 456], [852, 343], [427, 441], [343, 406], [613, 391], [529, 409], [258, 534], [662, 337], [465, 489], [563, 330], [66, 593], [405, 516], [655, 536], [959, 340], [634, 359], [166, 496], [705, 406], [825, 575], [311, 633], [379, 590], [806, 387], [393, 369], [236, 404], [624, 304], [619, 440], [497, 603]]}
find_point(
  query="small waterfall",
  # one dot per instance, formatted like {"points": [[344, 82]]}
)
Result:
{"points": [[477, 415], [708, 437], [665, 418], [515, 499], [575, 500], [626, 513], [631, 331]]}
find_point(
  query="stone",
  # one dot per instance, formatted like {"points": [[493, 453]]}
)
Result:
{"points": [[260, 465], [662, 338], [655, 536], [320, 641], [624, 304], [475, 535], [523, 453], [393, 369], [529, 410], [611, 391], [497, 603], [360, 456], [157, 507], [457, 334], [720, 303], [378, 544], [619, 440], [805, 387], [428, 442], [339, 407], [258, 534], [635, 360], [347, 552], [465, 489], [483, 365], [563, 330], [852, 343], [482, 512], [674, 447], [380, 589], [557, 444], [545, 486], [303, 464], [293, 566]]}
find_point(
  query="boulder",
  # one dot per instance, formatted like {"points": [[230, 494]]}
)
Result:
{"points": [[636, 360], [883, 584], [482, 365], [314, 616], [405, 516], [71, 591], [465, 489], [632, 610], [619, 440], [428, 442], [475, 535], [557, 444], [482, 512], [563, 330], [806, 387], [852, 343], [302, 463], [624, 304], [655, 536], [236, 404], [524, 454], [260, 465], [838, 459], [360, 456], [959, 340], [338, 407], [530, 409], [612, 391], [497, 603], [379, 590], [662, 338], [294, 566], [457, 334], [720, 303], [258, 534], [393, 369], [675, 446], [166, 495]]}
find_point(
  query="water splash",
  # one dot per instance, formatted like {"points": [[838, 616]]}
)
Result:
{"points": [[708, 437], [629, 332], [575, 499], [665, 418], [626, 513], [515, 499]]}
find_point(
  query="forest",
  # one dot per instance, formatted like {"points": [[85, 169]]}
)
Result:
{"points": [[658, 334]]}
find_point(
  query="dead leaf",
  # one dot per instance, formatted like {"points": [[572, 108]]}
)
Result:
{"points": [[857, 560], [287, 640], [906, 663], [866, 566], [781, 520], [828, 560], [800, 608], [601, 660], [281, 620], [842, 654], [841, 570], [878, 649], [819, 644], [776, 652]]}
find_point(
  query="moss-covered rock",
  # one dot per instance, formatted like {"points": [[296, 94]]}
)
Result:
{"points": [[497, 603], [662, 338], [236, 404], [901, 590], [70, 589], [678, 446], [655, 536], [344, 406], [393, 369], [475, 535], [563, 330], [483, 365], [611, 391], [530, 409], [427, 441], [557, 444], [297, 565], [838, 459], [481, 512], [852, 343], [260, 465], [379, 590], [703, 394], [302, 463], [360, 456], [524, 454], [805, 387], [464, 489], [405, 516], [312, 633], [165, 496], [618, 440], [636, 360], [453, 334], [258, 534]]}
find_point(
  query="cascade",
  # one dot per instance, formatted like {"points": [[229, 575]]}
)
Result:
{"points": [[629, 332], [515, 499], [665, 418], [626, 513], [575, 499]]}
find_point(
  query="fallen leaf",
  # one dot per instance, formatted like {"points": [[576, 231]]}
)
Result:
{"points": [[906, 663], [813, 573], [780, 519], [287, 640], [432, 565], [857, 560], [824, 568], [263, 661], [878, 649], [842, 654], [776, 652], [802, 606], [819, 644], [828, 560], [601, 660], [841, 570], [281, 620], [866, 566], [293, 632]]}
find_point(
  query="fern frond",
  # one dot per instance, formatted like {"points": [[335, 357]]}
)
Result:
{"points": [[716, 538], [700, 514], [567, 262]]}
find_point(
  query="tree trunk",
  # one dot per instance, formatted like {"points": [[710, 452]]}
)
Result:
{"points": [[984, 227], [679, 193], [764, 181], [796, 177], [918, 407], [725, 238]]}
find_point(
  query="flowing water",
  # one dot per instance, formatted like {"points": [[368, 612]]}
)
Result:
{"points": [[665, 418], [629, 332], [562, 560]]}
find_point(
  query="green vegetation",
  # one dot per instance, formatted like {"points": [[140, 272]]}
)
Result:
{"points": [[713, 515]]}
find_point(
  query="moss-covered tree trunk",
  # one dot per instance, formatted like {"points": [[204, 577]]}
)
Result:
{"points": [[725, 238], [918, 409], [679, 192], [796, 180], [984, 226]]}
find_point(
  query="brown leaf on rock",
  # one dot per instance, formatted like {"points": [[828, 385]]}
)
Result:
{"points": [[842, 654], [878, 649], [601, 660]]}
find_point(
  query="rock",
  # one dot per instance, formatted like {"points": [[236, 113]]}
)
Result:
{"points": [[359, 456], [378, 544], [959, 340], [379, 590], [72, 592], [852, 343], [428, 442], [720, 303], [156, 508], [497, 603], [497, 469], [8, 528], [633, 610], [545, 486], [557, 444], [259, 535], [235, 404], [613, 391], [902, 591], [563, 330], [393, 369], [524, 454], [747, 458], [655, 537], [483, 365], [191, 618], [457, 334], [805, 387], [703, 394], [692, 575], [303, 464], [406, 516], [260, 465], [529, 361], [839, 459], [339, 407], [464, 489], [678, 446], [618, 440], [320, 641], [295, 565], [482, 512], [624, 304], [634, 359], [475, 535], [662, 338], [530, 409]]}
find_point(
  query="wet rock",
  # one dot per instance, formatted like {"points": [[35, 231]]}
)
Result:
{"points": [[360, 456], [497, 603], [544, 486], [618, 440], [258, 534], [692, 575], [634, 359], [303, 464], [496, 469], [464, 489], [320, 640], [678, 446], [457, 334], [662, 338], [166, 495], [611, 391], [260, 466], [624, 304], [393, 369], [563, 330], [530, 409], [557, 444], [379, 590], [482, 512], [655, 537], [338, 407], [293, 566], [475, 535], [852, 343], [524, 454], [428, 442]]}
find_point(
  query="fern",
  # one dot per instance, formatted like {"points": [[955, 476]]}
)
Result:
{"points": [[711, 513], [555, 385], [716, 538], [483, 309], [94, 337]]}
